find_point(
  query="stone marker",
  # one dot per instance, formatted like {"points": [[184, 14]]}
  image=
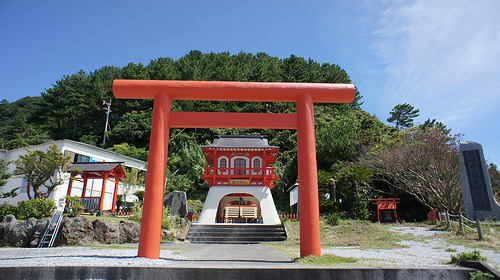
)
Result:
{"points": [[177, 202], [476, 185]]}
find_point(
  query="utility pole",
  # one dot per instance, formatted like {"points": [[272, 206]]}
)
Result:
{"points": [[108, 110]]}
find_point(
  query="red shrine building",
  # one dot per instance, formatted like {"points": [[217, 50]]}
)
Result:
{"points": [[240, 177]]}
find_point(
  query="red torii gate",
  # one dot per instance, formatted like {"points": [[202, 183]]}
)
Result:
{"points": [[304, 94]]}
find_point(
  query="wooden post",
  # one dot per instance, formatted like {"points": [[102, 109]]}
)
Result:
{"points": [[447, 218], [84, 191], [115, 194], [103, 192], [460, 221], [150, 237], [310, 243], [479, 230]]}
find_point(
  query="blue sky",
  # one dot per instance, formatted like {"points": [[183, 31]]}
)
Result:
{"points": [[442, 57]]}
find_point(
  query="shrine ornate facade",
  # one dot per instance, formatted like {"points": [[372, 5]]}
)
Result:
{"points": [[240, 175]]}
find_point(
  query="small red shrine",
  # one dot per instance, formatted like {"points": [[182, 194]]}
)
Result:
{"points": [[94, 198], [386, 209], [240, 176]]}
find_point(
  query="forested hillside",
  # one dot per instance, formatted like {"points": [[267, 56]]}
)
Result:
{"points": [[73, 109]]}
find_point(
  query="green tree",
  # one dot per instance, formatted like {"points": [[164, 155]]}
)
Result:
{"points": [[327, 191], [495, 180], [433, 124], [72, 108], [403, 114], [185, 167], [39, 169], [5, 175], [354, 187], [18, 124], [131, 151], [135, 179], [133, 128]]}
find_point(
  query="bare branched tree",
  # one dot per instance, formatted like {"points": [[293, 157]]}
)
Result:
{"points": [[422, 163]]}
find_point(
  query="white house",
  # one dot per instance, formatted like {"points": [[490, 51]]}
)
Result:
{"points": [[78, 152]]}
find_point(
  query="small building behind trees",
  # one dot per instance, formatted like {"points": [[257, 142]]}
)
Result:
{"points": [[78, 153]]}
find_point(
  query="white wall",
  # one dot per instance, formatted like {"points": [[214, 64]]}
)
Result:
{"points": [[75, 147]]}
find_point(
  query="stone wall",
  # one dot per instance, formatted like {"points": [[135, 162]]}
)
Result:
{"points": [[78, 230]]}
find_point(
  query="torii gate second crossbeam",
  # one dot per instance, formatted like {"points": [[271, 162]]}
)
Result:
{"points": [[163, 92]]}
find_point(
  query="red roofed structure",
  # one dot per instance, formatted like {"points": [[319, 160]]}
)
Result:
{"points": [[240, 175]]}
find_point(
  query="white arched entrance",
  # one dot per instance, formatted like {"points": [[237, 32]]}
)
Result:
{"points": [[219, 196]]}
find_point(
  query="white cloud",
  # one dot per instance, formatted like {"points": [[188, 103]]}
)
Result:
{"points": [[442, 57]]}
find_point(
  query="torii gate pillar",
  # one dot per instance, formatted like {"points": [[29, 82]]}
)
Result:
{"points": [[304, 94]]}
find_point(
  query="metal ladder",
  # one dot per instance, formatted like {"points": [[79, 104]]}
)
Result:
{"points": [[50, 234]]}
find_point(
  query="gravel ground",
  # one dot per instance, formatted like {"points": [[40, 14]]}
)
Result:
{"points": [[82, 256], [434, 252]]}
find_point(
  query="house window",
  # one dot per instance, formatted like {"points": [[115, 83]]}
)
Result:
{"points": [[238, 164], [256, 163], [223, 163], [81, 158]]}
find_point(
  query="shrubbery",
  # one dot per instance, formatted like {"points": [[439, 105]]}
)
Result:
{"points": [[333, 219], [7, 209], [195, 205], [469, 256], [166, 221], [36, 208], [75, 207]]}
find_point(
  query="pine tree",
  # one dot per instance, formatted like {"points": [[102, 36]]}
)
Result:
{"points": [[403, 114]]}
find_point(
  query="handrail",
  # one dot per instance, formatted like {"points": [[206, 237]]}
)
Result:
{"points": [[462, 222], [245, 171]]}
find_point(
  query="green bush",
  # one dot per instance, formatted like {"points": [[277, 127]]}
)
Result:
{"points": [[75, 207], [333, 219], [166, 220], [36, 208], [136, 212], [7, 209], [284, 219], [479, 275], [140, 195], [195, 205], [326, 259], [468, 256]]}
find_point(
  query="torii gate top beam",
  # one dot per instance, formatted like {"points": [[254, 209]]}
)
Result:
{"points": [[304, 94], [234, 91]]}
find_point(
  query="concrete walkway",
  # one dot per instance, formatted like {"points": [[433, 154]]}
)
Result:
{"points": [[230, 253], [191, 261]]}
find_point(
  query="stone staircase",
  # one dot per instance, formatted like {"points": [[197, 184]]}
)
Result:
{"points": [[235, 233]]}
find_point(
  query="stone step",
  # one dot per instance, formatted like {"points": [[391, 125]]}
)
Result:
{"points": [[234, 233]]}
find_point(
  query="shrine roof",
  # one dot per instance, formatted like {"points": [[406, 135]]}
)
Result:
{"points": [[94, 166], [240, 141]]}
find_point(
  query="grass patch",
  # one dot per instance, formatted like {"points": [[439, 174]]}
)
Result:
{"points": [[468, 256], [469, 238], [364, 234], [361, 234], [92, 218], [178, 251], [326, 259], [112, 247], [350, 233]]}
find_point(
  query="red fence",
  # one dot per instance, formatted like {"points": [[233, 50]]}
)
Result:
{"points": [[291, 217], [117, 214]]}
